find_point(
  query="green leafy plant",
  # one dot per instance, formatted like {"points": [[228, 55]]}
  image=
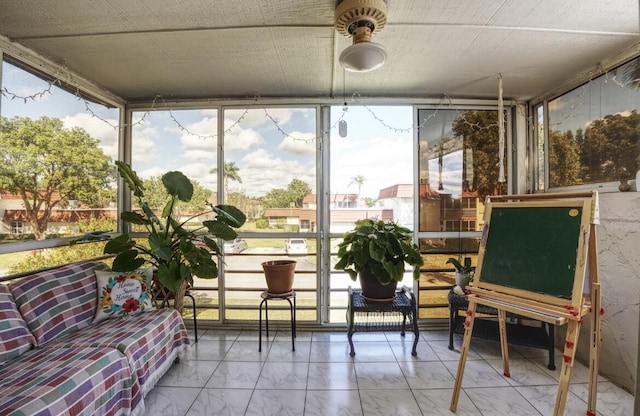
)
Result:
{"points": [[465, 268], [177, 252], [380, 247]]}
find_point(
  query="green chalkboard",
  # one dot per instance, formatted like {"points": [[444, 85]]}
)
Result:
{"points": [[532, 248]]}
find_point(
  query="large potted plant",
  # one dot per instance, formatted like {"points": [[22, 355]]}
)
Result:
{"points": [[378, 252], [177, 252]]}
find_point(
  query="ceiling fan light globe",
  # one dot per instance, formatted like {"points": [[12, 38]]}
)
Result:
{"points": [[363, 57]]}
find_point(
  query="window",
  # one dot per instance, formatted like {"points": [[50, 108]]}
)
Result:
{"points": [[61, 145], [594, 133], [459, 165], [184, 140], [371, 177], [17, 227], [268, 172]]}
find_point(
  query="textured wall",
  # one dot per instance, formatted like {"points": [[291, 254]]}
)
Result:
{"points": [[619, 260]]}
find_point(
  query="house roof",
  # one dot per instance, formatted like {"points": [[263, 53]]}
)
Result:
{"points": [[396, 191], [351, 215]]}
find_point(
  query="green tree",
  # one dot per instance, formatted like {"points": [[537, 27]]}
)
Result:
{"points": [[246, 204], [284, 198], [157, 196], [610, 145], [96, 224], [297, 190], [230, 173], [48, 165], [564, 159], [358, 180], [479, 132], [370, 202], [276, 198]]}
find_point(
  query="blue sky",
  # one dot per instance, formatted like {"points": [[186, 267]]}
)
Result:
{"points": [[270, 148]]}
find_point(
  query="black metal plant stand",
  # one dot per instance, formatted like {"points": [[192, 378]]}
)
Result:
{"points": [[367, 316], [266, 297], [486, 326]]}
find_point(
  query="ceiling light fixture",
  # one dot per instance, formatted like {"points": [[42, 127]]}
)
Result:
{"points": [[361, 19]]}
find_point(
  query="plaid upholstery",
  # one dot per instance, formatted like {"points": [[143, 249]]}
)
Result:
{"points": [[58, 301], [15, 338], [150, 341], [61, 381]]}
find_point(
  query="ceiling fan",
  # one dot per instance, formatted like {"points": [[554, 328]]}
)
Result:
{"points": [[360, 20]]}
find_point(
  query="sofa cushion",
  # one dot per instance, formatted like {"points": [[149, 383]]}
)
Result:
{"points": [[150, 341], [61, 381], [58, 301], [122, 294], [15, 338]]}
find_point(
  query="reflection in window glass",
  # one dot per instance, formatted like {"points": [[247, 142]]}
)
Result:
{"points": [[594, 130], [459, 167], [540, 148], [57, 152]]}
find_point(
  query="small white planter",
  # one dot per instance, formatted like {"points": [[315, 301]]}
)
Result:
{"points": [[463, 279]]}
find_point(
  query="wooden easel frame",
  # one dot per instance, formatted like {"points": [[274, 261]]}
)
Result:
{"points": [[543, 307]]}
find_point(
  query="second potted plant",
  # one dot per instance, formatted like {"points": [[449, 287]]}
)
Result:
{"points": [[464, 271], [378, 251]]}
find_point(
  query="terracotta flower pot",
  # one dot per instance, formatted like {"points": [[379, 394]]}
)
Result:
{"points": [[279, 275]]}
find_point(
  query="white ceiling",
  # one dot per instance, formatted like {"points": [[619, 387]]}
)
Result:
{"points": [[288, 48]]}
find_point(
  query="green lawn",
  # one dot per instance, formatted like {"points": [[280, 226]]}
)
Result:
{"points": [[11, 259]]}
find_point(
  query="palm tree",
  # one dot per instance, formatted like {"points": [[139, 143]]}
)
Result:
{"points": [[358, 180], [230, 173]]}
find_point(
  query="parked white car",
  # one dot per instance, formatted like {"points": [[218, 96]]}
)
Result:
{"points": [[235, 246], [296, 246]]}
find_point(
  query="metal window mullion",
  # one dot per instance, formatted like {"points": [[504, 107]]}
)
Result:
{"points": [[324, 241]]}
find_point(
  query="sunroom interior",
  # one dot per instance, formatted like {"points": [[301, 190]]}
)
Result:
{"points": [[251, 100]]}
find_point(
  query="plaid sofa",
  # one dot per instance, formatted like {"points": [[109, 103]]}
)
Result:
{"points": [[54, 360]]}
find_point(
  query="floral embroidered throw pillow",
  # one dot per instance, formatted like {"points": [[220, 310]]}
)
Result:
{"points": [[122, 294]]}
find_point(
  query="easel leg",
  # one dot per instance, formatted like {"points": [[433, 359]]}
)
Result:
{"points": [[594, 353], [568, 357], [466, 342], [504, 347]]}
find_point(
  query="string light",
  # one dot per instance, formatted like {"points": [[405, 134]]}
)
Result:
{"points": [[32, 97], [160, 103]]}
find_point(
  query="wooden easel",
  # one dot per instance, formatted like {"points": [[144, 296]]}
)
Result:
{"points": [[543, 306]]}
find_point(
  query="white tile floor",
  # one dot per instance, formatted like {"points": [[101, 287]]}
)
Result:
{"points": [[224, 374]]}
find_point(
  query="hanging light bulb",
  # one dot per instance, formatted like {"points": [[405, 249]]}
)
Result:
{"points": [[342, 128], [342, 124]]}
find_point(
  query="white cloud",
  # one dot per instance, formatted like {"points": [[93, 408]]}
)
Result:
{"points": [[381, 161], [97, 128], [148, 173], [144, 143], [198, 172], [281, 172], [241, 139], [256, 117], [299, 143], [204, 129]]}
